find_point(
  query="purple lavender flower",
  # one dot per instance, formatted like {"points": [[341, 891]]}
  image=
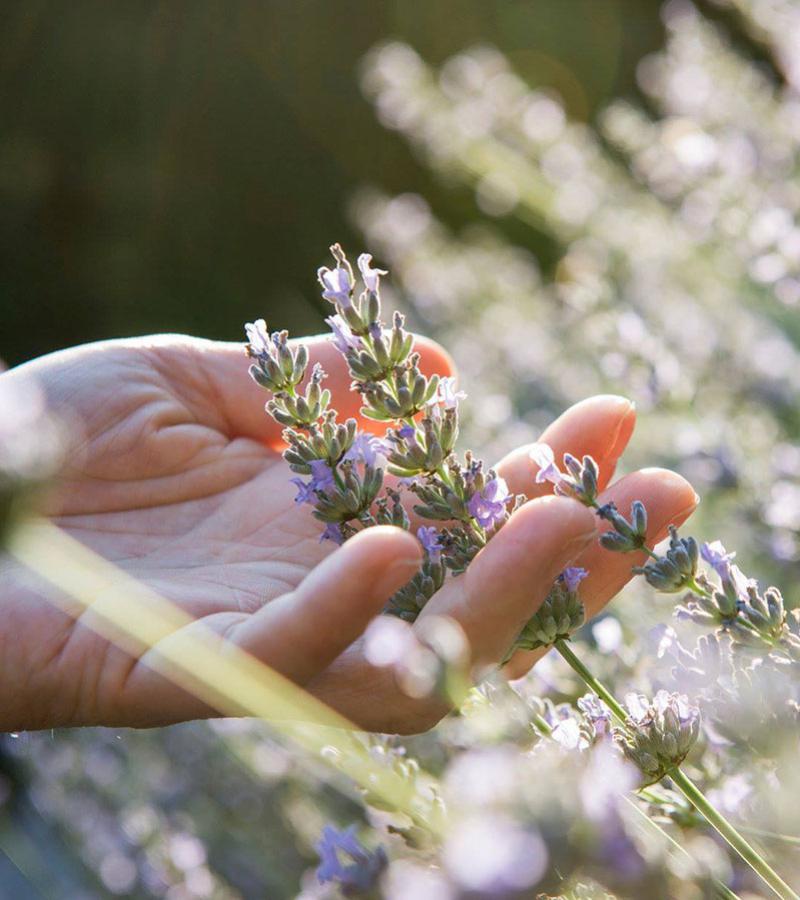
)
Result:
{"points": [[258, 336], [371, 276], [572, 577], [321, 478], [718, 558], [356, 877], [542, 455], [429, 536], [720, 561], [336, 285], [332, 532], [368, 449], [321, 475], [407, 433], [488, 507], [446, 393], [343, 337], [305, 490]]}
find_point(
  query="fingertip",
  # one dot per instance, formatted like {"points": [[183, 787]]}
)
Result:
{"points": [[673, 488], [565, 514], [387, 537]]}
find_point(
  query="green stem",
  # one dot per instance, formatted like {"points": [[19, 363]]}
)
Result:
{"points": [[722, 889], [688, 788], [756, 862], [542, 724], [602, 692], [771, 835], [695, 588]]}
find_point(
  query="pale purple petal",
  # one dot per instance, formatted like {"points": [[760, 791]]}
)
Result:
{"points": [[258, 336], [572, 577], [343, 337], [336, 285], [371, 276], [542, 455], [429, 537]]}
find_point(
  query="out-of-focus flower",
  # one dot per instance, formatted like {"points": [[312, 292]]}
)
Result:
{"points": [[491, 855], [596, 713], [356, 877]]}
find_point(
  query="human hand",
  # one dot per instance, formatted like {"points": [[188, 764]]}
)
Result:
{"points": [[178, 480]]}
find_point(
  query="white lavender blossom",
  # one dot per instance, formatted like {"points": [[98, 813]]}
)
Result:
{"points": [[659, 734]]}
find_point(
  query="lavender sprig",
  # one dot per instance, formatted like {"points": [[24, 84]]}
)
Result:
{"points": [[347, 488]]}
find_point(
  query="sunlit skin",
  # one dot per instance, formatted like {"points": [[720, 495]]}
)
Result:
{"points": [[176, 476]]}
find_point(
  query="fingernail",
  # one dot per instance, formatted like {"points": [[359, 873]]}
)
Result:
{"points": [[622, 432]]}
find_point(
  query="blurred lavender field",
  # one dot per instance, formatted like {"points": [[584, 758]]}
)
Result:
{"points": [[650, 247]]}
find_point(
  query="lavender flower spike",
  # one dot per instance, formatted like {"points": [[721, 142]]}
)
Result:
{"points": [[371, 276], [336, 285], [357, 877], [542, 455], [488, 507]]}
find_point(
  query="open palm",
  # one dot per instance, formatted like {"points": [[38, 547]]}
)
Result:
{"points": [[176, 477]]}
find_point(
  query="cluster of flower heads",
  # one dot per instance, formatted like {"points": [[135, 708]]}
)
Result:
{"points": [[341, 470]]}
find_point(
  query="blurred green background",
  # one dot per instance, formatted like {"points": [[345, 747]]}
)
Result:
{"points": [[183, 166]]}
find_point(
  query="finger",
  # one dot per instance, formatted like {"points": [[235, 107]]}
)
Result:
{"points": [[298, 635], [669, 500], [301, 633], [491, 601], [241, 401], [508, 580], [599, 427]]}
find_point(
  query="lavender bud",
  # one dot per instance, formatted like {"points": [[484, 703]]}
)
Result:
{"points": [[561, 613], [627, 535], [676, 569], [408, 602], [659, 734]]}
